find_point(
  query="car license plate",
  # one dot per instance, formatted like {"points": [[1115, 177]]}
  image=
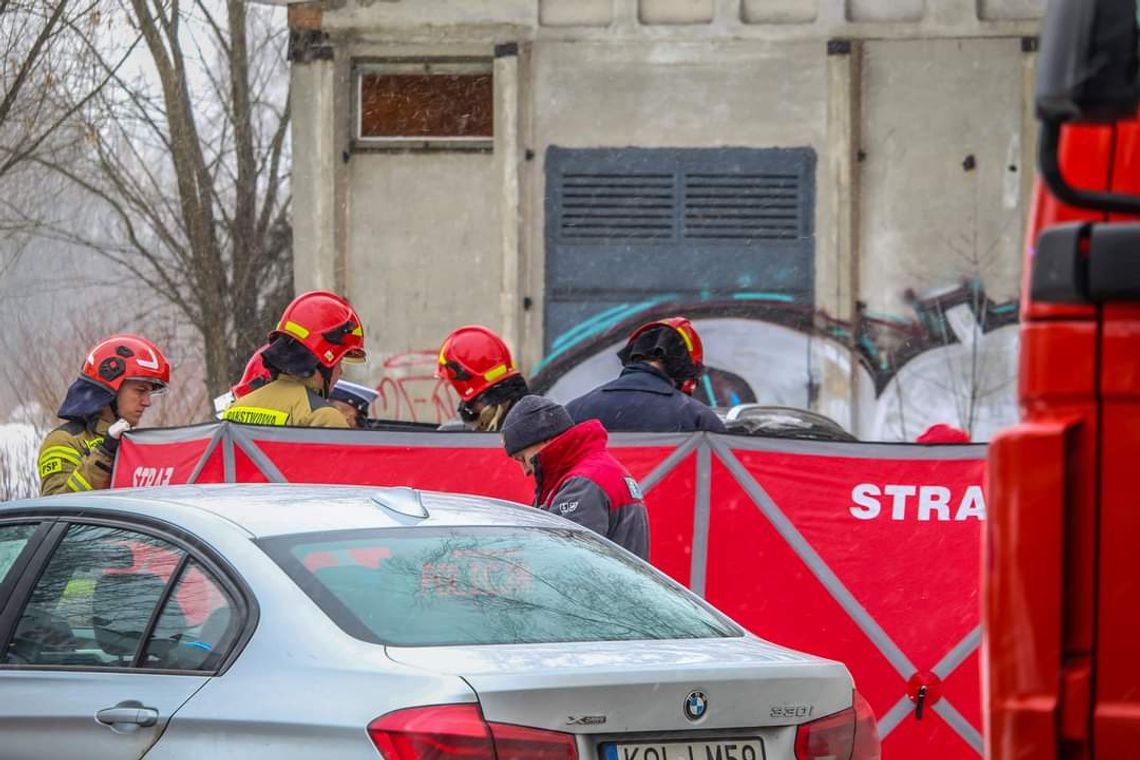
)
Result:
{"points": [[726, 749]]}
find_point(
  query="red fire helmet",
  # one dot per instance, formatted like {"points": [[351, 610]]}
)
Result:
{"points": [[692, 342], [326, 324], [943, 433], [473, 359], [256, 374], [123, 357], [685, 329]]}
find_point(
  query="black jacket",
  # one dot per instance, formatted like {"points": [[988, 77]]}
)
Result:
{"points": [[643, 399]]}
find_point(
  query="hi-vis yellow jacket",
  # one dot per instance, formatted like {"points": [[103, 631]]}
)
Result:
{"points": [[288, 400], [71, 459]]}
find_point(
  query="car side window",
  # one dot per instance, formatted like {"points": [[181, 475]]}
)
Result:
{"points": [[93, 601], [13, 539], [196, 626]]}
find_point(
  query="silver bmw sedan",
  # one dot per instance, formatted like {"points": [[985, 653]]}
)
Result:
{"points": [[285, 621]]}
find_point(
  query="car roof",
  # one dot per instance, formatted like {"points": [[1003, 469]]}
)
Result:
{"points": [[268, 509]]}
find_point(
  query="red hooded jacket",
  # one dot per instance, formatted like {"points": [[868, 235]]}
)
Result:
{"points": [[580, 480]]}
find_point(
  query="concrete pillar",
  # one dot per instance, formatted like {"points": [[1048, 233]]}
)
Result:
{"points": [[1028, 167], [506, 79], [837, 244], [626, 15], [313, 111], [532, 204]]}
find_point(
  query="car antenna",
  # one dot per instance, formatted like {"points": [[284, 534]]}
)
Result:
{"points": [[403, 501]]}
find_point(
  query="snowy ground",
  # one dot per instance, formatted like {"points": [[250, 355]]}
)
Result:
{"points": [[19, 442]]}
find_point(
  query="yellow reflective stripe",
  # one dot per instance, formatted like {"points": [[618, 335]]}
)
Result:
{"points": [[253, 415], [60, 452], [684, 336], [495, 373], [358, 330], [80, 483], [296, 329]]}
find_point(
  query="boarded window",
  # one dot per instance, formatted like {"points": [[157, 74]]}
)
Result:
{"points": [[426, 103]]}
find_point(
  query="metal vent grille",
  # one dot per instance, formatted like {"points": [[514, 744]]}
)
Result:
{"points": [[626, 228], [627, 206], [731, 206]]}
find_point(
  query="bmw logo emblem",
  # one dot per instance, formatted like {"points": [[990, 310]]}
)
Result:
{"points": [[696, 705]]}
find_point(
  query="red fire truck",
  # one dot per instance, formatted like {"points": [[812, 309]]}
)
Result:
{"points": [[1061, 648]]}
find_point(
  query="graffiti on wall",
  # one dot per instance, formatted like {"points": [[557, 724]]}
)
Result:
{"points": [[883, 377], [410, 392], [953, 360]]}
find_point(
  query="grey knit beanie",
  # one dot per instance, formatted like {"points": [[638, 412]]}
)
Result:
{"points": [[533, 419]]}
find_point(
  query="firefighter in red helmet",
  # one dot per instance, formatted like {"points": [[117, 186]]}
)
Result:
{"points": [[256, 374], [113, 390], [661, 364], [317, 332], [483, 373]]}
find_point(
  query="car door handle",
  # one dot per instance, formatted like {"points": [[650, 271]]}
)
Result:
{"points": [[127, 712]]}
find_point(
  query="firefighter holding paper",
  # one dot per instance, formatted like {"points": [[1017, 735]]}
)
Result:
{"points": [[114, 389], [317, 332]]}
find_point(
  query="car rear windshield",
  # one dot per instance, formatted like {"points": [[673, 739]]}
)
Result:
{"points": [[442, 587]]}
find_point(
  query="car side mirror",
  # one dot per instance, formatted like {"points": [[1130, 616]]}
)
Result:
{"points": [[1086, 73], [1087, 67]]}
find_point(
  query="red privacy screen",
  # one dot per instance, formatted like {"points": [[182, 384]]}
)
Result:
{"points": [[864, 553]]}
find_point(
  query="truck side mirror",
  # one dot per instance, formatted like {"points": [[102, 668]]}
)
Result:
{"points": [[1086, 72], [1087, 68]]}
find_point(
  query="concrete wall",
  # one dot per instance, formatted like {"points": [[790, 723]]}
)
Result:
{"points": [[942, 167], [917, 111], [407, 207]]}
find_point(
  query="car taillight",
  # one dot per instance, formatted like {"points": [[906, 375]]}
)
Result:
{"points": [[867, 745], [850, 734], [458, 732], [522, 743]]}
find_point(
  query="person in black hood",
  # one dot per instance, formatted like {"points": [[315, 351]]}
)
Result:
{"points": [[662, 362]]}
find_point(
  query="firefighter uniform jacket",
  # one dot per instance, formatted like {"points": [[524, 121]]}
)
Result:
{"points": [[73, 459], [288, 400]]}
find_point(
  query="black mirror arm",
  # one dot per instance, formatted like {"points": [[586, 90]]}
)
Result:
{"points": [[1049, 163]]}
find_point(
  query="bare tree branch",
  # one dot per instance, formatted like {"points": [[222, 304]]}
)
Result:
{"points": [[32, 58], [26, 151], [186, 157]]}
